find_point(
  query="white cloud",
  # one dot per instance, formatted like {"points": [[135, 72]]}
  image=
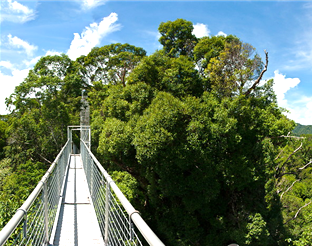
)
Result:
{"points": [[53, 53], [15, 12], [151, 39], [19, 8], [221, 34], [92, 35], [19, 43], [282, 85], [88, 4], [201, 30], [6, 64], [154, 34], [300, 108], [9, 82], [32, 62]]}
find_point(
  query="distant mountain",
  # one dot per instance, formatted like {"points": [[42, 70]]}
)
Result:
{"points": [[302, 129]]}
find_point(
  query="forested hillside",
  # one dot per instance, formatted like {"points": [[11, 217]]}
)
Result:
{"points": [[201, 149], [302, 129]]}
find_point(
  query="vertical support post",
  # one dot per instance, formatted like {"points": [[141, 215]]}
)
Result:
{"points": [[64, 161], [46, 215], [71, 142], [59, 176], [130, 229], [107, 207], [89, 138], [91, 176], [70, 138], [25, 225]]}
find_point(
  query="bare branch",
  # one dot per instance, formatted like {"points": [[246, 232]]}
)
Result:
{"points": [[301, 168], [289, 157], [307, 204], [296, 215], [300, 147], [281, 175], [279, 154], [260, 76], [283, 136], [289, 188], [45, 159], [281, 166]]}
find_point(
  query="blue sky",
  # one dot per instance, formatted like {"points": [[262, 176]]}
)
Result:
{"points": [[31, 29]]}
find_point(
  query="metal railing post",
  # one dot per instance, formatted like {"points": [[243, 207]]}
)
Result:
{"points": [[46, 212], [25, 223], [59, 176], [89, 138], [107, 207], [130, 229], [91, 177], [25, 227]]}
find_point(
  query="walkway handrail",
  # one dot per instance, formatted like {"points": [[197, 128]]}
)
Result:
{"points": [[133, 214], [15, 221]]}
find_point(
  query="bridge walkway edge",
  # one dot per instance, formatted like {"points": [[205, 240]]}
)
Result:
{"points": [[77, 222]]}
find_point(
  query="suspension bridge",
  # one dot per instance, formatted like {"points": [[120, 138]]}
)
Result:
{"points": [[77, 203]]}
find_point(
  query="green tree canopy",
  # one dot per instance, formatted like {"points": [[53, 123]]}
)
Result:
{"points": [[177, 38], [175, 75], [110, 64], [44, 105], [200, 141]]}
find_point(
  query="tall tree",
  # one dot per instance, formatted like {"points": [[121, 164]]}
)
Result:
{"points": [[236, 70], [110, 64], [197, 157], [176, 75], [44, 105], [203, 157], [177, 38], [208, 48]]}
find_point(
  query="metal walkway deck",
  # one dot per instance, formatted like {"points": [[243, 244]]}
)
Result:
{"points": [[77, 224]]}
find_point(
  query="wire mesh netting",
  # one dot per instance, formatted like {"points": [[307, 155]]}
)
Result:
{"points": [[115, 224], [36, 226]]}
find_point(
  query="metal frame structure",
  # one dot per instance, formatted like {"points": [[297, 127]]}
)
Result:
{"points": [[85, 134], [35, 222]]}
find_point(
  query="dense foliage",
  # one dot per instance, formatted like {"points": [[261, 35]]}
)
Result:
{"points": [[3, 137], [189, 134], [197, 132], [293, 182], [43, 106]]}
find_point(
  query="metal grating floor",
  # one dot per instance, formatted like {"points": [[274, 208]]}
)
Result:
{"points": [[77, 224]]}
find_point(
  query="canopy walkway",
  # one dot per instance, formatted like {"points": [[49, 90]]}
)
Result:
{"points": [[77, 203]]}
